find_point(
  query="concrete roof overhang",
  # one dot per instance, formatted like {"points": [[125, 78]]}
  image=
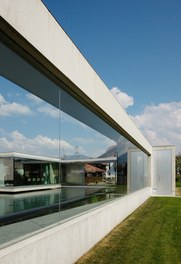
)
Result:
{"points": [[18, 155], [28, 62]]}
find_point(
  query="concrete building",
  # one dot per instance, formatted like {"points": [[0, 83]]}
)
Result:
{"points": [[38, 56]]}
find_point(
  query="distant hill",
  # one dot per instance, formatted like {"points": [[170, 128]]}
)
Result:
{"points": [[75, 157], [119, 150]]}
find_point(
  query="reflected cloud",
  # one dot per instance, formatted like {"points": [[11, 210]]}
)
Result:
{"points": [[34, 99], [12, 108], [48, 110], [43, 145]]}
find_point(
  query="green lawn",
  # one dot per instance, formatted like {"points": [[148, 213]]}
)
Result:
{"points": [[152, 234]]}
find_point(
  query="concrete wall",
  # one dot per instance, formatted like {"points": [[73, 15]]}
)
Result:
{"points": [[65, 243]]}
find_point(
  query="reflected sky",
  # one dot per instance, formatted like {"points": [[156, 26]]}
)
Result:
{"points": [[30, 125]]}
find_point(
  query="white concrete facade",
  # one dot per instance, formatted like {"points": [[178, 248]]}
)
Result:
{"points": [[67, 242]]}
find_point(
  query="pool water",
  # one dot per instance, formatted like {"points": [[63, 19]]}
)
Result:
{"points": [[19, 207]]}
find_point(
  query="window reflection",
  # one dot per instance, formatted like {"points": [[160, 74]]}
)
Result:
{"points": [[53, 143], [70, 152]]}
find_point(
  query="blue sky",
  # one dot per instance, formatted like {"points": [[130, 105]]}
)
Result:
{"points": [[134, 46]]}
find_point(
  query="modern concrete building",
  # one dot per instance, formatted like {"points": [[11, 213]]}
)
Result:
{"points": [[38, 56]]}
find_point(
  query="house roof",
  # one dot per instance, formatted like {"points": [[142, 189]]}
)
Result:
{"points": [[91, 168]]}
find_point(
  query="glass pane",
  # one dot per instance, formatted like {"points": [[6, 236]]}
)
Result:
{"points": [[138, 170], [6, 172], [57, 157], [29, 162]]}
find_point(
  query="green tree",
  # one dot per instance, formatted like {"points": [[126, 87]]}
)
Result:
{"points": [[178, 167]]}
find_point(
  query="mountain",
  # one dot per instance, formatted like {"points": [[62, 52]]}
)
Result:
{"points": [[118, 150], [75, 157]]}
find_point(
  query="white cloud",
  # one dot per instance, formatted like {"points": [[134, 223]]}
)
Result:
{"points": [[41, 145], [46, 146], [161, 124], [34, 99], [124, 99], [92, 145], [10, 109], [2, 100], [48, 110], [42, 107]]}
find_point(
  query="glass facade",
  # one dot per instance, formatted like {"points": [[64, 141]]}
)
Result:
{"points": [[6, 172], [139, 170], [29, 170], [32, 172], [56, 141]]}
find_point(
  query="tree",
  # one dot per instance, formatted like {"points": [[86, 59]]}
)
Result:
{"points": [[178, 167]]}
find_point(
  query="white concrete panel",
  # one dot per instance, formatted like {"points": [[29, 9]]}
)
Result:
{"points": [[65, 243], [34, 22]]}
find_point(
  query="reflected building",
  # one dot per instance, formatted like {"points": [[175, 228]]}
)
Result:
{"points": [[18, 169]]}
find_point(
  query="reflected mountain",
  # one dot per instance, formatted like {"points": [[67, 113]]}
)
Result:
{"points": [[75, 157]]}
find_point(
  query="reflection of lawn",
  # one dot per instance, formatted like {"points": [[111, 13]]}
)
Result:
{"points": [[121, 189], [178, 184], [152, 234], [178, 191], [178, 188]]}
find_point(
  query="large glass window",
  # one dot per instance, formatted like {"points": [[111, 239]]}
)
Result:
{"points": [[55, 153]]}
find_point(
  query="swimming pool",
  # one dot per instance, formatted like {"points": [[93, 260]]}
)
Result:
{"points": [[19, 207]]}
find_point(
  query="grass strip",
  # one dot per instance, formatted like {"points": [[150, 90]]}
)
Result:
{"points": [[152, 234]]}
